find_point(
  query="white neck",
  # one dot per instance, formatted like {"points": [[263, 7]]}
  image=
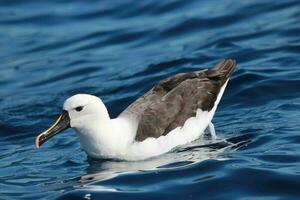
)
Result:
{"points": [[105, 137]]}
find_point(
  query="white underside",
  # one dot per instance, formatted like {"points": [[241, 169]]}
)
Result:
{"points": [[126, 148]]}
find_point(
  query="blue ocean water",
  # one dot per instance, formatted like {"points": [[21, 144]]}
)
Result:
{"points": [[50, 50]]}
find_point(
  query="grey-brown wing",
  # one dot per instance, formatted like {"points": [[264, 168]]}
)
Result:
{"points": [[177, 98], [155, 95], [176, 107]]}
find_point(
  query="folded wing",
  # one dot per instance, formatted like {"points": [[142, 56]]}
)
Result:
{"points": [[170, 103]]}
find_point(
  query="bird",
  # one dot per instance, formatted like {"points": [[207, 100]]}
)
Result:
{"points": [[173, 113]]}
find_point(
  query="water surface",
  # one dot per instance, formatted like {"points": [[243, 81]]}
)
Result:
{"points": [[50, 50]]}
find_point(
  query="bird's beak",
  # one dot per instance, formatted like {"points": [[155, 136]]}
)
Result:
{"points": [[62, 123]]}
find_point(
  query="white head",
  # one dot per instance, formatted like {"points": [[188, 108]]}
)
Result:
{"points": [[83, 108], [82, 112]]}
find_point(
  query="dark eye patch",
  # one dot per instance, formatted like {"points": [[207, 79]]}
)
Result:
{"points": [[79, 108]]}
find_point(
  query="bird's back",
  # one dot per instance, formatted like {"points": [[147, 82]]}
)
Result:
{"points": [[174, 100]]}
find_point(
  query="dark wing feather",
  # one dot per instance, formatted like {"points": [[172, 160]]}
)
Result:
{"points": [[169, 104]]}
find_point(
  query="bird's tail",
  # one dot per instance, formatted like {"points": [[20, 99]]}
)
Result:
{"points": [[221, 71]]}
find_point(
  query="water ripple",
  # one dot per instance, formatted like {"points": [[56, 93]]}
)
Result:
{"points": [[53, 49]]}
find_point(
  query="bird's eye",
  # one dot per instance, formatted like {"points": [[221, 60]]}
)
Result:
{"points": [[79, 108]]}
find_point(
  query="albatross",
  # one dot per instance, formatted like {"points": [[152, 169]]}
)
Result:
{"points": [[174, 112]]}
